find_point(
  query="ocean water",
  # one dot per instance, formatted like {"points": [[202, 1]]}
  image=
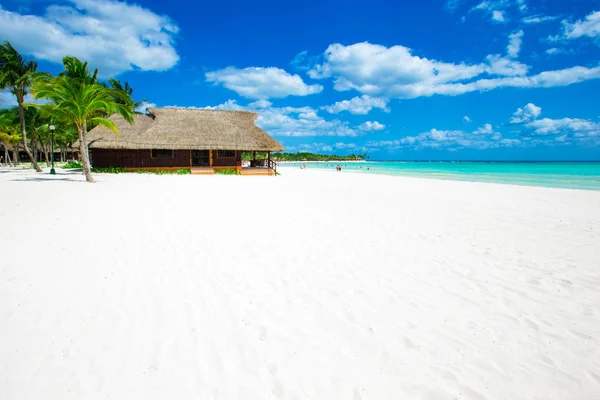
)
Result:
{"points": [[571, 175]]}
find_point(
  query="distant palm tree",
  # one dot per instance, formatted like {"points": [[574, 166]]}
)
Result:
{"points": [[17, 75], [125, 88], [9, 136], [77, 70], [38, 130], [81, 102]]}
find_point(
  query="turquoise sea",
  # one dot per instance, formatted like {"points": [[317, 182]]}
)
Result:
{"points": [[572, 175]]}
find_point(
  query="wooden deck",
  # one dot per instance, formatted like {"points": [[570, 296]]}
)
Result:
{"points": [[245, 171], [248, 171], [202, 171]]}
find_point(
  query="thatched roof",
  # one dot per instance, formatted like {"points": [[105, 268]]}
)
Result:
{"points": [[184, 128]]}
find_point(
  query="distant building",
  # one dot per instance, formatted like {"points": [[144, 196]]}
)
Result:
{"points": [[179, 138]]}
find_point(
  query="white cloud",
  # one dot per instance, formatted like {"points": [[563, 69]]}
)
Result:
{"points": [[262, 83], [449, 140], [493, 9], [358, 105], [366, 62], [564, 131], [590, 26], [452, 5], [303, 121], [575, 127], [486, 129], [299, 59], [260, 104], [320, 147], [538, 19], [526, 114], [346, 146], [394, 72], [502, 66], [554, 50], [466, 118], [315, 147], [371, 126], [113, 36], [498, 16], [486, 6], [514, 44], [291, 121]]}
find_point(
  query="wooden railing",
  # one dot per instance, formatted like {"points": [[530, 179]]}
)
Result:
{"points": [[273, 165]]}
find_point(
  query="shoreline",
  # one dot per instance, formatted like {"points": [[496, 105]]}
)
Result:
{"points": [[434, 179], [318, 162], [507, 179]]}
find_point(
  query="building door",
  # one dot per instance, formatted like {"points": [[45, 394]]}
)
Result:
{"points": [[200, 158]]}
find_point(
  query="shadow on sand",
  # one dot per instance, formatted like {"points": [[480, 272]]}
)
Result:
{"points": [[74, 175], [46, 179]]}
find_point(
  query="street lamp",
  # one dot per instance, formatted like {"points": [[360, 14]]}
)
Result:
{"points": [[52, 171]]}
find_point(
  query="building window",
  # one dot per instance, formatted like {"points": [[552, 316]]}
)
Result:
{"points": [[225, 153], [162, 153]]}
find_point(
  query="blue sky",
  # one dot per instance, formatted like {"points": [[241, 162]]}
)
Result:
{"points": [[447, 79]]}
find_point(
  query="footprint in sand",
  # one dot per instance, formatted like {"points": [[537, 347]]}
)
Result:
{"points": [[356, 395], [408, 343], [263, 333], [526, 322]]}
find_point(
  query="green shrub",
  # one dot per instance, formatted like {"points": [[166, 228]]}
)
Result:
{"points": [[230, 171], [165, 172], [118, 170], [110, 170], [72, 165]]}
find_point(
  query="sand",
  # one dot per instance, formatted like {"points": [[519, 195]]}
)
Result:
{"points": [[310, 285]]}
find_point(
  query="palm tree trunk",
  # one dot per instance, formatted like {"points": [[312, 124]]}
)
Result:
{"points": [[24, 136], [45, 151], [6, 156], [16, 156], [84, 155]]}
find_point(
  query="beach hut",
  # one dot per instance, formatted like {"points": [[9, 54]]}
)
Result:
{"points": [[169, 138]]}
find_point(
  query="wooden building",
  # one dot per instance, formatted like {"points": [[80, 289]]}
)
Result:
{"points": [[181, 138]]}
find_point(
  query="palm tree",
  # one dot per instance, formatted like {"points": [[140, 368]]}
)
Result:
{"points": [[79, 102], [126, 89], [78, 70], [9, 135], [38, 130], [17, 75], [65, 136]]}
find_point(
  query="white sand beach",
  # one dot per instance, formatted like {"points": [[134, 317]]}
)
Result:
{"points": [[309, 285]]}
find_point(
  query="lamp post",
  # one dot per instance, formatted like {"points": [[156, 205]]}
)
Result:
{"points": [[52, 171]]}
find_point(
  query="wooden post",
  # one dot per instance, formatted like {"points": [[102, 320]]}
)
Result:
{"points": [[269, 161], [210, 158]]}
